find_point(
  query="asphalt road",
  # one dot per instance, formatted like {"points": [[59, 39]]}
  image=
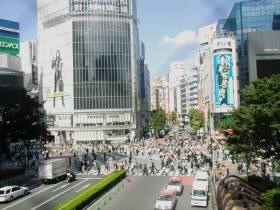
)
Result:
{"points": [[142, 191], [46, 197]]}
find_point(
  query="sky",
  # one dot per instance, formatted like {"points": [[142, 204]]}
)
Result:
{"points": [[167, 27]]}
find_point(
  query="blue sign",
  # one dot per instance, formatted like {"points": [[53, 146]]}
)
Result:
{"points": [[9, 29], [223, 75]]}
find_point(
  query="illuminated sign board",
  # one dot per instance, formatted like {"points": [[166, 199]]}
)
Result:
{"points": [[9, 45], [96, 6]]}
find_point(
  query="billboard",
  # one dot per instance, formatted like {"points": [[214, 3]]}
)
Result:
{"points": [[224, 80], [9, 45], [9, 37]]}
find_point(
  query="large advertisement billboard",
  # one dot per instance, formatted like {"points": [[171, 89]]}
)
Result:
{"points": [[9, 45], [224, 80]]}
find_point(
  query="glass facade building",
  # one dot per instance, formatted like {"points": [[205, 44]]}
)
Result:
{"points": [[88, 63], [250, 16]]}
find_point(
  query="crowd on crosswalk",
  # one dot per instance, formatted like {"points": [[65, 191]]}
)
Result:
{"points": [[170, 156]]}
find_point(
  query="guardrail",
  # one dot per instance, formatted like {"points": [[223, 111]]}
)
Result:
{"points": [[105, 199], [232, 191]]}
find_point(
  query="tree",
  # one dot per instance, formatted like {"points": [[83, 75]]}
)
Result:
{"points": [[22, 118], [196, 119], [173, 117], [226, 123], [157, 120], [256, 123]]}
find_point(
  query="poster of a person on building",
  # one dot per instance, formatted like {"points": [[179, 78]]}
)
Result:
{"points": [[57, 65], [223, 79]]}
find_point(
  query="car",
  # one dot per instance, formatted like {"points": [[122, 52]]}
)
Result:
{"points": [[199, 194], [166, 200], [202, 176], [175, 184], [9, 193]]}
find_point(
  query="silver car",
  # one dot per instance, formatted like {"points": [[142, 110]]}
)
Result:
{"points": [[9, 193]]}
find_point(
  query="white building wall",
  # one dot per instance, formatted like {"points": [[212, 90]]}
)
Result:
{"points": [[177, 71]]}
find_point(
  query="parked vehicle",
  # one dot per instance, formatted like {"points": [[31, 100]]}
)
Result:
{"points": [[166, 200], [175, 184], [9, 193], [199, 194], [52, 170]]}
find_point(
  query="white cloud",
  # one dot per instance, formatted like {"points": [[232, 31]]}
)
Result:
{"points": [[183, 38]]}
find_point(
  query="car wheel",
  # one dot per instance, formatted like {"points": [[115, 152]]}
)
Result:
{"points": [[11, 198], [25, 192]]}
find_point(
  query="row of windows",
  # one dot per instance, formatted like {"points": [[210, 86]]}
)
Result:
{"points": [[102, 65], [102, 103]]}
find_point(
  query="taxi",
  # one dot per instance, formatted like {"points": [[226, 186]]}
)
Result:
{"points": [[166, 200]]}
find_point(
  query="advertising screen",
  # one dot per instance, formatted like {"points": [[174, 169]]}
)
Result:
{"points": [[223, 76]]}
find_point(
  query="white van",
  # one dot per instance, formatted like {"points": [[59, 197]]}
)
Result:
{"points": [[201, 176], [199, 194]]}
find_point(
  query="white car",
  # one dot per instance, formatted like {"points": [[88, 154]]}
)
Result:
{"points": [[9, 193]]}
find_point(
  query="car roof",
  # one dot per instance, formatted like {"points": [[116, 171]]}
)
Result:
{"points": [[7, 187], [174, 178], [166, 192], [201, 174], [199, 185]]}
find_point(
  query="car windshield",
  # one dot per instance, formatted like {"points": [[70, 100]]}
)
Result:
{"points": [[2, 192], [177, 183], [199, 193], [204, 180], [165, 198]]}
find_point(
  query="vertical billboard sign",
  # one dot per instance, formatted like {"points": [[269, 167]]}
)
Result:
{"points": [[224, 80]]}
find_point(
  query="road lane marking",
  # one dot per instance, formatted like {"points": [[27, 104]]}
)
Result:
{"points": [[60, 188], [30, 196], [36, 207], [82, 188], [89, 178]]}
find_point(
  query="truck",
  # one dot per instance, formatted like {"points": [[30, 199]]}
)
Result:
{"points": [[52, 170]]}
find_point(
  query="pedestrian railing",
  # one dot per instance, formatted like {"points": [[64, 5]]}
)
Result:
{"points": [[233, 191], [104, 200]]}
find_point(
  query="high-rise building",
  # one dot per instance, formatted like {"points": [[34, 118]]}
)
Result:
{"points": [[10, 68], [245, 18], [177, 71], [218, 73], [159, 92], [144, 92], [88, 63], [192, 89]]}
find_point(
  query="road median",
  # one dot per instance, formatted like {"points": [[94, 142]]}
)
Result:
{"points": [[92, 192]]}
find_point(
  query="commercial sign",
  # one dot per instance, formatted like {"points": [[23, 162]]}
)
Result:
{"points": [[9, 45], [224, 80], [63, 120], [9, 29], [92, 6]]}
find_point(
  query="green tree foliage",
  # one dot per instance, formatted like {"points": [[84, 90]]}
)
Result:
{"points": [[256, 123], [196, 119], [157, 119], [226, 123], [174, 116], [21, 117], [271, 199]]}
